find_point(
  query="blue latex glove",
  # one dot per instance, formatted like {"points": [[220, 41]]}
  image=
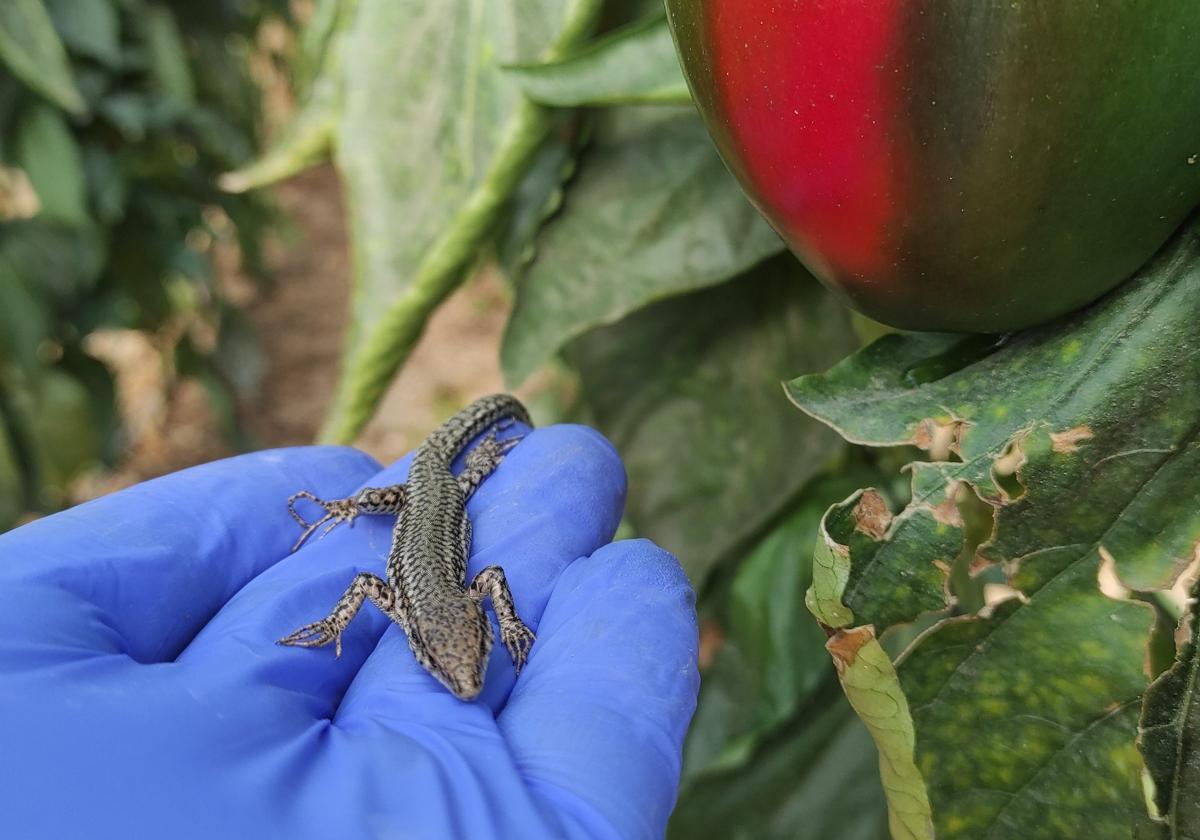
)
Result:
{"points": [[142, 693]]}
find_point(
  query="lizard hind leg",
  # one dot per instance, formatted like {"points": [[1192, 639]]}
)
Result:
{"points": [[482, 461], [518, 638], [329, 629]]}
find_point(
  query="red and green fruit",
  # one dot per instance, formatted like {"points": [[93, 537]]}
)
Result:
{"points": [[973, 165]]}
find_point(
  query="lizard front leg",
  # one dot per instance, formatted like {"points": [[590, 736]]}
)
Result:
{"points": [[481, 461], [329, 629], [518, 638], [368, 500]]}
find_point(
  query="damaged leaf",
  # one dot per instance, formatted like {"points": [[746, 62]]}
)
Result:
{"points": [[869, 680], [1170, 738], [899, 567], [770, 659], [1082, 435]]}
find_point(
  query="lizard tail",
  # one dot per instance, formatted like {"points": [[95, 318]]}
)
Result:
{"points": [[455, 433]]}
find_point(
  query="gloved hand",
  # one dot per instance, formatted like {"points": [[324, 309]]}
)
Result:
{"points": [[142, 693]]}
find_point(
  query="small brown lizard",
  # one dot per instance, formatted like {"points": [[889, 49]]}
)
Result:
{"points": [[425, 591]]}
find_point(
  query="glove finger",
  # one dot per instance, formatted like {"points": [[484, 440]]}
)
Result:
{"points": [[142, 570], [238, 647], [597, 724]]}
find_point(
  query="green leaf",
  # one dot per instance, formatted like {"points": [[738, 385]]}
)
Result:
{"points": [[303, 143], [55, 410], [633, 66], [56, 262], [772, 656], [10, 479], [311, 131], [316, 41], [170, 73], [46, 149], [91, 28], [869, 680], [688, 390], [432, 141], [1082, 436], [97, 380], [884, 586], [107, 184], [814, 779], [31, 49], [128, 112], [18, 460], [653, 183], [24, 320], [1170, 737], [540, 193]]}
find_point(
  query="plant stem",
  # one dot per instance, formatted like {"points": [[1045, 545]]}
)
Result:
{"points": [[368, 370]]}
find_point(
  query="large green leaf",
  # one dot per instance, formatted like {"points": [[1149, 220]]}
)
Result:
{"points": [[540, 193], [31, 49], [313, 45], [814, 779], [771, 655], [90, 28], [1082, 436], [308, 136], [51, 426], [166, 55], [433, 138], [636, 65], [47, 151], [1170, 737], [688, 390], [653, 183], [24, 318]]}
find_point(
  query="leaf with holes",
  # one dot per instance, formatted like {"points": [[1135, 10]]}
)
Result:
{"points": [[1170, 737], [770, 657], [1082, 437]]}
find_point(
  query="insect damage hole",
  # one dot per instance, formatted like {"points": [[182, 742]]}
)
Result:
{"points": [[942, 440], [972, 572], [1005, 469], [871, 515]]}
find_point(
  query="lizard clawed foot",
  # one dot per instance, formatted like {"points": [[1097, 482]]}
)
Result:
{"points": [[509, 443], [338, 510], [317, 634], [518, 639]]}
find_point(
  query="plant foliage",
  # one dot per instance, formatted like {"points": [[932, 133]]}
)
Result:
{"points": [[115, 117], [990, 617]]}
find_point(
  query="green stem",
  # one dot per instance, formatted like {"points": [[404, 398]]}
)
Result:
{"points": [[370, 368]]}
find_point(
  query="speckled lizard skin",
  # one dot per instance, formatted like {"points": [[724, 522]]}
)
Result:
{"points": [[425, 591]]}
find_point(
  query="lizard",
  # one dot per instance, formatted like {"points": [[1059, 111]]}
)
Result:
{"points": [[426, 592]]}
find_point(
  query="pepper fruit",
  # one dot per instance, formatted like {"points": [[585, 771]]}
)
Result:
{"points": [[974, 166]]}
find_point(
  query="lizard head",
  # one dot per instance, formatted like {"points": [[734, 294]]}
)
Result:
{"points": [[459, 658]]}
